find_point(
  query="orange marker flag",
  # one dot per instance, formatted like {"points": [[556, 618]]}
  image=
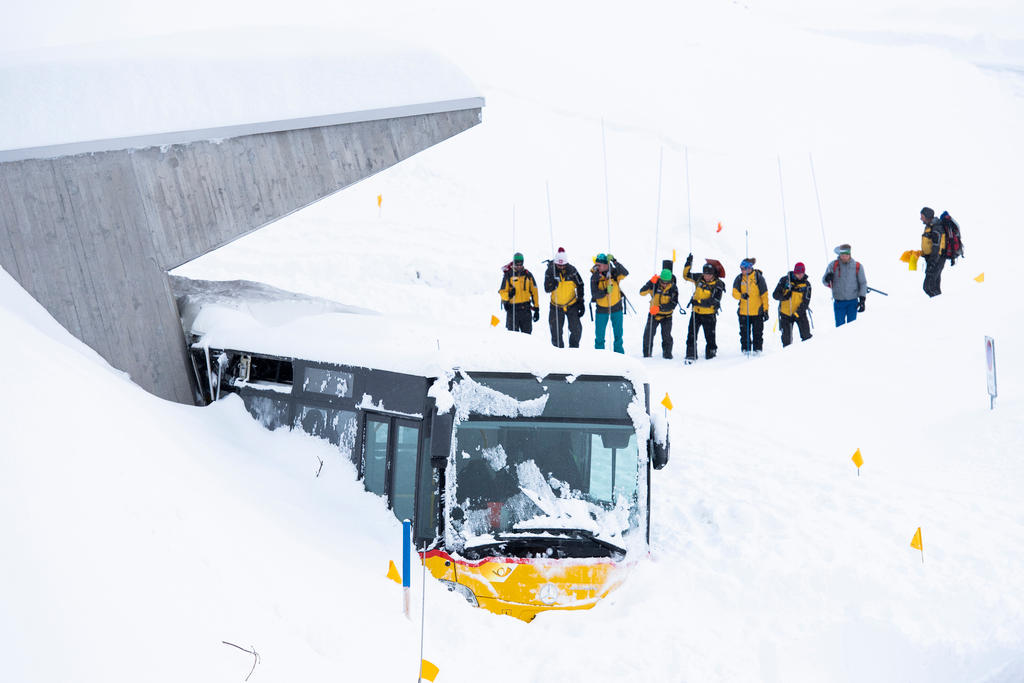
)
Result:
{"points": [[494, 321], [857, 460], [719, 227], [667, 402], [380, 198], [980, 278], [428, 671], [917, 544], [393, 572]]}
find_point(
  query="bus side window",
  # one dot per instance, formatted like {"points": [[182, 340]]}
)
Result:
{"points": [[375, 455], [403, 471]]}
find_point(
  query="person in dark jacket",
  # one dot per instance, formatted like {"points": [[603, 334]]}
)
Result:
{"points": [[932, 243], [606, 291], [664, 299], [565, 285], [751, 290], [705, 302], [794, 296], [519, 296]]}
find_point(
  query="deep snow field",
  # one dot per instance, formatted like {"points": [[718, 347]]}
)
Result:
{"points": [[139, 535]]}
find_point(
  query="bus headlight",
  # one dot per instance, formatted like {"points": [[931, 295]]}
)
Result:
{"points": [[464, 591]]}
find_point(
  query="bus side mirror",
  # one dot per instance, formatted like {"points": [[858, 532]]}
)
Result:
{"points": [[659, 452], [441, 438]]}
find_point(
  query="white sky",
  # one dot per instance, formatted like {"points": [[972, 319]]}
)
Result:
{"points": [[27, 24]]}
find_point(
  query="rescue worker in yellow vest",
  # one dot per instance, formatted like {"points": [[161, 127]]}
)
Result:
{"points": [[705, 302], [518, 290], [664, 299], [751, 290], [794, 296], [565, 285], [605, 290], [933, 241]]}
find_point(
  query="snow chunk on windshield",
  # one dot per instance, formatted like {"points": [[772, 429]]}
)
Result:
{"points": [[474, 398], [495, 457]]}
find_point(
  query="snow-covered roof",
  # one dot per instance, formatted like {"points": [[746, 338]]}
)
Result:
{"points": [[247, 316], [213, 85]]}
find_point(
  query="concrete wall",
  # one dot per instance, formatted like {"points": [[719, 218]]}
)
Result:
{"points": [[92, 236]]}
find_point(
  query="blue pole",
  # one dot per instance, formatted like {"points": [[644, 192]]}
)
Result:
{"points": [[406, 564], [406, 552]]}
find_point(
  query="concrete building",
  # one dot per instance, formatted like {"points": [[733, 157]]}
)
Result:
{"points": [[90, 226]]}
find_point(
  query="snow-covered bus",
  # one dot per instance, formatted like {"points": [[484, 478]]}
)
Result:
{"points": [[525, 470]]}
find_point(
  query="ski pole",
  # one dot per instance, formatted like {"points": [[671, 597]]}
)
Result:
{"points": [[657, 213], [877, 291], [689, 211], [821, 219], [551, 226], [782, 195], [626, 299], [607, 206]]}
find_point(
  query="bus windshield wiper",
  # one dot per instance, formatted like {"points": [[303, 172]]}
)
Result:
{"points": [[570, 532]]}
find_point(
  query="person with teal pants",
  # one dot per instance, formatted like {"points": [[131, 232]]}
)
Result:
{"points": [[606, 292]]}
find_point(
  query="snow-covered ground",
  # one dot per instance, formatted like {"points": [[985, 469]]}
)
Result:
{"points": [[139, 535]]}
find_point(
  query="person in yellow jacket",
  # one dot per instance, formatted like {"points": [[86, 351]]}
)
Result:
{"points": [[706, 301], [519, 296], [794, 296], [751, 290], [606, 292], [664, 298], [564, 283]]}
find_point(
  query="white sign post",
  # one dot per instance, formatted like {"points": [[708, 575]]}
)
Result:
{"points": [[990, 360]]}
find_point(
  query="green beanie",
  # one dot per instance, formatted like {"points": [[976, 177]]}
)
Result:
{"points": [[517, 258], [666, 275]]}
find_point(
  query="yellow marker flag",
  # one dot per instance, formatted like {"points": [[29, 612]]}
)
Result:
{"points": [[380, 198], [980, 278], [673, 256], [916, 543], [857, 459], [494, 321], [667, 402], [428, 672], [393, 572]]}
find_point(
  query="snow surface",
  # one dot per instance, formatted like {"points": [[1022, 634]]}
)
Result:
{"points": [[211, 80], [146, 533]]}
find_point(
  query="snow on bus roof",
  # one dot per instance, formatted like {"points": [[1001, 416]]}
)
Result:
{"points": [[213, 85], [248, 316]]}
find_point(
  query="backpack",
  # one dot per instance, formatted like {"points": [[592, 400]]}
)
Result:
{"points": [[835, 268], [954, 246]]}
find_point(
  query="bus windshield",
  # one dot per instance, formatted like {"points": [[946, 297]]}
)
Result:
{"points": [[524, 477]]}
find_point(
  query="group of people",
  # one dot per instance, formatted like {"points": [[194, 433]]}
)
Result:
{"points": [[844, 277], [520, 297]]}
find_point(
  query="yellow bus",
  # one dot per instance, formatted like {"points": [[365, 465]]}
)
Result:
{"points": [[527, 492]]}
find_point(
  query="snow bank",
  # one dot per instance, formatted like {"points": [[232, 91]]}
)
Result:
{"points": [[248, 316], [203, 81]]}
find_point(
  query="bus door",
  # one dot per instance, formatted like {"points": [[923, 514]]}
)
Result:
{"points": [[390, 459]]}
